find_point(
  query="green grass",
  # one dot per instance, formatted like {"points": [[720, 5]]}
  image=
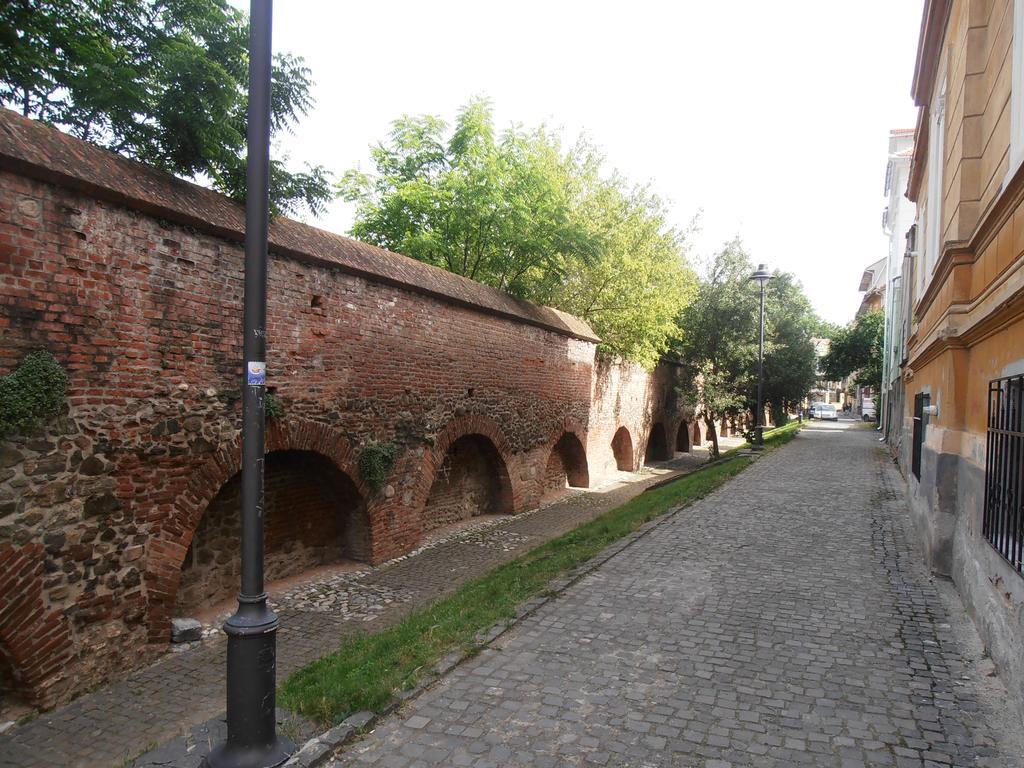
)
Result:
{"points": [[772, 438], [366, 670]]}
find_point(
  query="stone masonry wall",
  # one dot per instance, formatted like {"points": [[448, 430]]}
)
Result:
{"points": [[113, 269]]}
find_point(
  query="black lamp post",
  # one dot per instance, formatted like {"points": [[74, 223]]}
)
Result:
{"points": [[762, 276], [252, 740]]}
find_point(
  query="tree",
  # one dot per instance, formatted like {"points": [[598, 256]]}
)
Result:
{"points": [[515, 211], [719, 338], [790, 362], [857, 349], [164, 82], [718, 342]]}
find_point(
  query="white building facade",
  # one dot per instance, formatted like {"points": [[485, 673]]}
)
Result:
{"points": [[898, 220]]}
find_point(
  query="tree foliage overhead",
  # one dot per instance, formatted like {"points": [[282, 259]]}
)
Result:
{"points": [[516, 211], [161, 81], [719, 340], [857, 349]]}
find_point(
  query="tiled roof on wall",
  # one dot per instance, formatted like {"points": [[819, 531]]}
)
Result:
{"points": [[40, 151]]}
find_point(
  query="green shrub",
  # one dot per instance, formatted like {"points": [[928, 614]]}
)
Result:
{"points": [[33, 393], [376, 462], [273, 408]]}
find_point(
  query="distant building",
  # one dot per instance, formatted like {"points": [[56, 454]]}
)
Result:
{"points": [[897, 223], [872, 285], [825, 391], [963, 453]]}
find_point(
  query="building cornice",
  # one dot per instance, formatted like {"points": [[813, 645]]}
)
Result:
{"points": [[929, 47], [918, 163], [966, 322], [929, 44], [959, 252]]}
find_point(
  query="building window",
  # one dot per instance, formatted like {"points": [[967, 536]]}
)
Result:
{"points": [[1017, 91], [1004, 462], [936, 161], [920, 403]]}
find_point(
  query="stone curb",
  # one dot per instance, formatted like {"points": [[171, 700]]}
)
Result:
{"points": [[320, 749]]}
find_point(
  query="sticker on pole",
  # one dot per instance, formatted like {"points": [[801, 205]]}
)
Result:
{"points": [[256, 374]]}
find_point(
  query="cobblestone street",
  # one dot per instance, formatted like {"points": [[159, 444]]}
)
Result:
{"points": [[784, 620], [118, 722]]}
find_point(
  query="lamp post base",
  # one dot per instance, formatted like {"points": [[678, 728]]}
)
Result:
{"points": [[263, 756], [252, 740]]}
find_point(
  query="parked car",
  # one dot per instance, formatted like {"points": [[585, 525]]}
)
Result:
{"points": [[815, 410], [868, 412], [828, 412]]}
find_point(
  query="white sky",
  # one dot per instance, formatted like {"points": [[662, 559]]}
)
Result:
{"points": [[771, 117]]}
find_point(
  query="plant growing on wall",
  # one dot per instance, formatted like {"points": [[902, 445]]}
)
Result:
{"points": [[33, 393], [376, 462], [273, 408]]}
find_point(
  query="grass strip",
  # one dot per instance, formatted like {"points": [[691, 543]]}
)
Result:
{"points": [[367, 669], [773, 437]]}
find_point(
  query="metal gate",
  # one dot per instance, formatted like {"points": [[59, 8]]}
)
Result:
{"points": [[1004, 469], [920, 403]]}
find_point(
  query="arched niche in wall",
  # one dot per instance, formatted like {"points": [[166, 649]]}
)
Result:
{"points": [[566, 467], [622, 449], [683, 437], [657, 446], [313, 515], [472, 480], [11, 688]]}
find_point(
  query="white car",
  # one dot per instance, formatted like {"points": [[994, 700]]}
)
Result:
{"points": [[827, 412]]}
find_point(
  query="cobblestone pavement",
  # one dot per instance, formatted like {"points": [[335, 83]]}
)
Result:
{"points": [[785, 620], [165, 700]]}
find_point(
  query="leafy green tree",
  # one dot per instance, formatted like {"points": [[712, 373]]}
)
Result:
{"points": [[161, 81], [719, 338], [790, 362], [824, 329], [515, 211], [857, 349], [718, 342]]}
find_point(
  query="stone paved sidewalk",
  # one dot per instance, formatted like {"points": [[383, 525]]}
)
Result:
{"points": [[166, 700], [785, 620]]}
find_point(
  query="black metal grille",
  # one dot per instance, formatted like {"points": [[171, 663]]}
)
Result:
{"points": [[1004, 469], [920, 403]]}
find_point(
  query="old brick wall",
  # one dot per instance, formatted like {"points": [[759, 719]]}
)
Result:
{"points": [[626, 397], [106, 525]]}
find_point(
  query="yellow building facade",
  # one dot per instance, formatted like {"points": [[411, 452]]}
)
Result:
{"points": [[964, 365]]}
